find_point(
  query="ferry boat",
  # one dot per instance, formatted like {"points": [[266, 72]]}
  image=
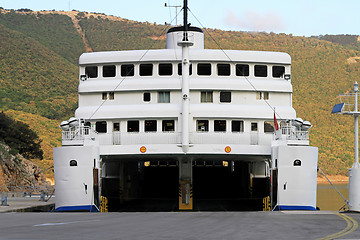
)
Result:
{"points": [[185, 126]]}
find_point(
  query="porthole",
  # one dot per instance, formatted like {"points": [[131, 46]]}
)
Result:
{"points": [[73, 163], [297, 162]]}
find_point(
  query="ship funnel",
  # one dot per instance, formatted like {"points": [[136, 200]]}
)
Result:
{"points": [[176, 34]]}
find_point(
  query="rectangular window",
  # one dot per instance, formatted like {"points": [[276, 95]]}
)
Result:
{"points": [[225, 97], [237, 126], [254, 127], [219, 125], [91, 72], [100, 127], [269, 126], [133, 126], [147, 97], [168, 125], [116, 127], [223, 69], [104, 96], [278, 71], [260, 71], [262, 95], [146, 69], [111, 95], [164, 97], [202, 125], [204, 69], [109, 71], [150, 125], [127, 70], [266, 95], [165, 69], [180, 69], [206, 97], [242, 70]]}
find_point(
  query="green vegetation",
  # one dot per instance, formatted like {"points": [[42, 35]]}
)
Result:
{"points": [[39, 75], [54, 31], [19, 137]]}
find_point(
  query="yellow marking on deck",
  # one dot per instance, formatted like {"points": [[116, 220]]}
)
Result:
{"points": [[352, 225]]}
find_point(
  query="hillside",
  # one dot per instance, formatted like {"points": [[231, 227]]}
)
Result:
{"points": [[38, 72]]}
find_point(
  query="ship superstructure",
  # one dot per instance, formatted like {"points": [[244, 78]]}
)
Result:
{"points": [[127, 143]]}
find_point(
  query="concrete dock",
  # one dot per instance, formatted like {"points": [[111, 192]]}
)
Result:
{"points": [[28, 204], [180, 225], [24, 218]]}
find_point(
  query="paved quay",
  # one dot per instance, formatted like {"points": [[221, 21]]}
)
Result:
{"points": [[27, 204], [180, 225]]}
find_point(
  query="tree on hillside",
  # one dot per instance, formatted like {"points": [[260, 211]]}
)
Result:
{"points": [[17, 135]]}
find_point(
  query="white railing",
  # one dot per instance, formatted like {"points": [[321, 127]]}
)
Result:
{"points": [[77, 135], [291, 133]]}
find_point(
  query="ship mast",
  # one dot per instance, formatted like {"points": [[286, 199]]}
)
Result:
{"points": [[185, 44]]}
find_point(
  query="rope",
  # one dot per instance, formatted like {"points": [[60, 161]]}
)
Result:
{"points": [[346, 201]]}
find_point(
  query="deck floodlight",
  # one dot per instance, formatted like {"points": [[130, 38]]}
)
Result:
{"points": [[297, 122], [306, 126], [287, 76], [73, 122], [64, 125], [83, 77]]}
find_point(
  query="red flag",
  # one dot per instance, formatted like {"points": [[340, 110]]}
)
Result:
{"points": [[276, 123]]}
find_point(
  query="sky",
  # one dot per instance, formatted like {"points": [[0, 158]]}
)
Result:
{"points": [[297, 17]]}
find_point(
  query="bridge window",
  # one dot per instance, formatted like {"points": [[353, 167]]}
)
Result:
{"points": [[111, 95], [223, 69], [150, 125], [133, 126], [220, 125], [164, 97], [165, 69], [237, 126], [101, 127], [147, 97], [168, 125], [127, 70], [202, 125], [206, 97], [91, 72], [225, 97], [269, 127], [242, 70], [204, 69], [260, 71], [180, 69], [109, 71], [146, 69], [278, 71]]}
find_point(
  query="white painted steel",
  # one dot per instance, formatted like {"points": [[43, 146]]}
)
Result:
{"points": [[296, 184], [354, 190], [70, 181]]}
